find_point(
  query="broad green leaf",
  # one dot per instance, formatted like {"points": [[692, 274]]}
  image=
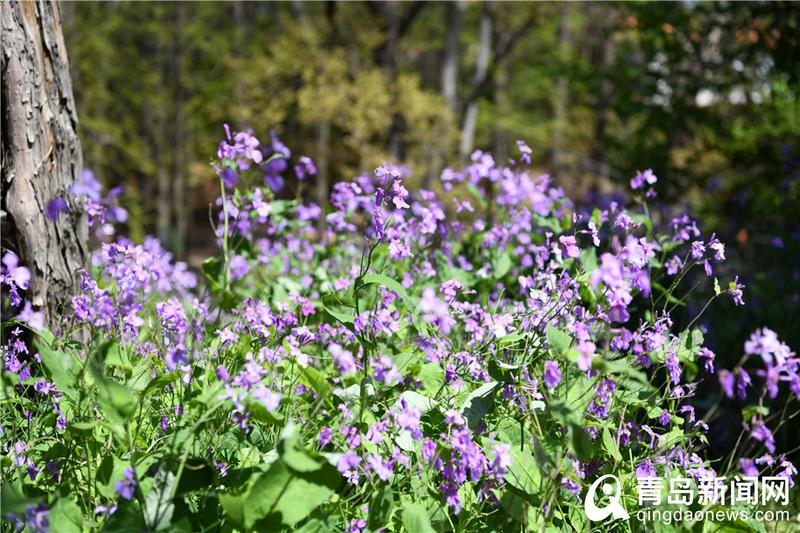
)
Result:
{"points": [[117, 356], [610, 445], [386, 281], [311, 377], [63, 369], [380, 508], [280, 496], [524, 474], [580, 443], [158, 506], [501, 264], [558, 340], [127, 519], [291, 451], [415, 518], [421, 403], [478, 403], [12, 500], [66, 515]]}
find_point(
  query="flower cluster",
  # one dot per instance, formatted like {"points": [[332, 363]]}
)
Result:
{"points": [[398, 358]]}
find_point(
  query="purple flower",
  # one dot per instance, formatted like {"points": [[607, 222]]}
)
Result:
{"points": [[127, 485], [309, 212], [570, 245], [377, 223], [552, 375], [34, 319], [571, 486], [639, 180], [646, 469], [305, 167], [674, 368], [525, 150], [325, 436], [173, 318], [428, 450], [243, 151], [229, 177], [748, 467], [760, 432], [348, 465], [742, 382], [239, 267], [35, 519], [55, 207], [586, 350], [87, 185], [502, 460], [709, 356], [343, 359], [726, 379], [698, 249], [382, 469], [735, 290]]}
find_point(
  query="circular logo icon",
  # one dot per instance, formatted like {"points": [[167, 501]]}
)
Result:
{"points": [[611, 487]]}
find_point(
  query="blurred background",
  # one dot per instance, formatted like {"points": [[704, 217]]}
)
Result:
{"points": [[705, 94]]}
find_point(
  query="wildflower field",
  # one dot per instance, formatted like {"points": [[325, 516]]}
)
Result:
{"points": [[467, 358]]}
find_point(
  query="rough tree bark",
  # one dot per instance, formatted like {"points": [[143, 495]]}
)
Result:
{"points": [[41, 154]]}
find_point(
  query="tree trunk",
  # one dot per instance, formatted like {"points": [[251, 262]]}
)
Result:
{"points": [[179, 182], [41, 154], [481, 69], [603, 63], [561, 94], [323, 169], [455, 17]]}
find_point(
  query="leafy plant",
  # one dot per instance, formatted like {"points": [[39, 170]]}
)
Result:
{"points": [[394, 361]]}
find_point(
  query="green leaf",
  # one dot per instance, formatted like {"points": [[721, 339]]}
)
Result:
{"points": [[558, 340], [311, 377], [159, 382], [345, 317], [116, 401], [478, 403], [524, 473], [580, 443], [67, 515], [611, 446], [158, 505], [12, 500], [754, 410], [127, 519], [386, 281], [500, 371], [111, 471], [117, 356], [380, 508], [62, 368], [292, 452], [501, 265], [212, 268], [416, 400], [415, 518], [280, 496]]}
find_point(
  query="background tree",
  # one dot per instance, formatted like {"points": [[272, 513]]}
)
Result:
{"points": [[41, 153], [703, 93]]}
